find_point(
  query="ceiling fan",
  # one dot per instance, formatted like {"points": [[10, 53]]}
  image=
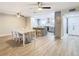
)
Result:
{"points": [[41, 5]]}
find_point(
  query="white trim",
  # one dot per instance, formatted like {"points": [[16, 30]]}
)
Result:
{"points": [[64, 36], [5, 35]]}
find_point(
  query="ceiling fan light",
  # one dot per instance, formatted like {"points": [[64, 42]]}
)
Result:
{"points": [[39, 9]]}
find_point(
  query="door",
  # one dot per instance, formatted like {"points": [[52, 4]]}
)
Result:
{"points": [[73, 25]]}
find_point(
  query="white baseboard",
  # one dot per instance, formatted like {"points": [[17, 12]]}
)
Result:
{"points": [[3, 35], [64, 36]]}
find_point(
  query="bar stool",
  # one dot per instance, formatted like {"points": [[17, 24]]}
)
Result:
{"points": [[39, 33]]}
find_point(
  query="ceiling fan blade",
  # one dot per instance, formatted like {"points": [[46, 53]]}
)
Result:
{"points": [[46, 7]]}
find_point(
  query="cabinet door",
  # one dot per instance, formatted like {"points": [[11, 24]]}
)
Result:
{"points": [[73, 25]]}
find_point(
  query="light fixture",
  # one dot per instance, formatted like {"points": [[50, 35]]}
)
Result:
{"points": [[18, 14], [39, 8]]}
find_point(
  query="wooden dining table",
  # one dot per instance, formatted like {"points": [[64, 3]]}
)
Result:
{"points": [[23, 32]]}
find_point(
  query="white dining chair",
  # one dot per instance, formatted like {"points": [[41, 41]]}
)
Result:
{"points": [[16, 36], [30, 36]]}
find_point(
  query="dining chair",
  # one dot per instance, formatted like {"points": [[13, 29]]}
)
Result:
{"points": [[19, 37], [16, 36], [30, 36]]}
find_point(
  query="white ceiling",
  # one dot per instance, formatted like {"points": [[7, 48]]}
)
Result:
{"points": [[30, 8]]}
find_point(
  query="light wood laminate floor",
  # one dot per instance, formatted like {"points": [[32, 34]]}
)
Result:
{"points": [[42, 46]]}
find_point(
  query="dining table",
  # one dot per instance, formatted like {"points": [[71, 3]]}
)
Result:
{"points": [[23, 32]]}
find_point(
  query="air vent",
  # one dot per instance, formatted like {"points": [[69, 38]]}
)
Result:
{"points": [[71, 10]]}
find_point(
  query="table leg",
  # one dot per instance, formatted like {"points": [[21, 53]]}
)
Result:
{"points": [[35, 36], [23, 39]]}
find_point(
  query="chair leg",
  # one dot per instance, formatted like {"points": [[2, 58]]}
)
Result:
{"points": [[19, 40]]}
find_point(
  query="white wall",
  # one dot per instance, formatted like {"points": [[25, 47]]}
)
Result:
{"points": [[10, 22]]}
